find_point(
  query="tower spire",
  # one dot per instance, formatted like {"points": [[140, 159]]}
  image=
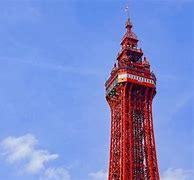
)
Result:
{"points": [[127, 12], [128, 25], [128, 21], [127, 9]]}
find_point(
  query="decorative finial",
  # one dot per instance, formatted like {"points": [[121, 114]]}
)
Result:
{"points": [[127, 12], [128, 22], [127, 9], [145, 61]]}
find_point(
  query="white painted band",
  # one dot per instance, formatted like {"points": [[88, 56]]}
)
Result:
{"points": [[134, 77]]}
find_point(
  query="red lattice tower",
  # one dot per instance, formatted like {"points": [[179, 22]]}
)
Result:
{"points": [[129, 92]]}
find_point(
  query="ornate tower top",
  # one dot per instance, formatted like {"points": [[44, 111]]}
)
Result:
{"points": [[130, 34], [130, 60]]}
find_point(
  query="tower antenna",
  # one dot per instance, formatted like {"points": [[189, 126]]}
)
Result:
{"points": [[127, 9]]}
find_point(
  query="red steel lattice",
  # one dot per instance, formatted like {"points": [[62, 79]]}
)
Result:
{"points": [[129, 92]]}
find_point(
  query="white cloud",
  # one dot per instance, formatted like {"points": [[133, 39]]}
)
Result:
{"points": [[17, 149], [38, 158], [22, 150], [177, 174], [100, 175], [56, 174]]}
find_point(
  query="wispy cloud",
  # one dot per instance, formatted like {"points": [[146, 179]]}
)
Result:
{"points": [[177, 174], [167, 77], [184, 99], [100, 175], [17, 149], [169, 174], [54, 67], [56, 174], [23, 152], [38, 160]]}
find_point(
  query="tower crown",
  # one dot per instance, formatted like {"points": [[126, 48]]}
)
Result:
{"points": [[129, 48], [129, 34], [131, 65]]}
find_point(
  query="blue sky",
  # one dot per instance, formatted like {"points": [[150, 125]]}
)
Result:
{"points": [[54, 59]]}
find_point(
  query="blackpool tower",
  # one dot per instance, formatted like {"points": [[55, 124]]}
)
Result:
{"points": [[130, 90]]}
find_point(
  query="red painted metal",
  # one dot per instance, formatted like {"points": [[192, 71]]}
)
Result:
{"points": [[129, 92]]}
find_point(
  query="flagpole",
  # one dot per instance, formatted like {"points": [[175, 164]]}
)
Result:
{"points": [[127, 9], [127, 12]]}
